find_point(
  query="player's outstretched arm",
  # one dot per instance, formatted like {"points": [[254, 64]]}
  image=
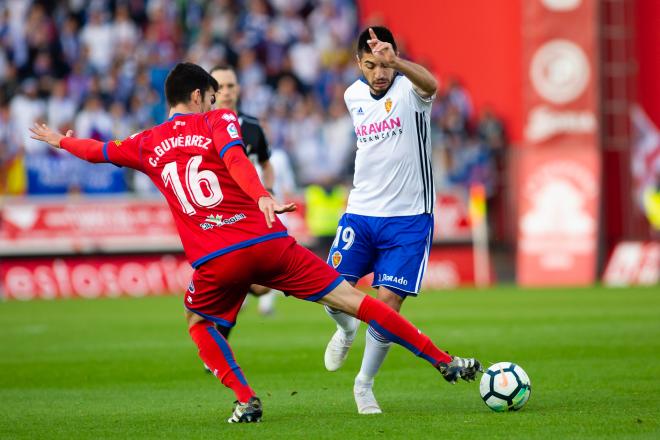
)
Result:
{"points": [[87, 149], [424, 82]]}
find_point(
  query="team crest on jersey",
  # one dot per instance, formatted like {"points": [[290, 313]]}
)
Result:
{"points": [[388, 105], [233, 132], [191, 287], [336, 259], [117, 142]]}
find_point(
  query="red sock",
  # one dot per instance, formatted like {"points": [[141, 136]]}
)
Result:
{"points": [[397, 329], [217, 355]]}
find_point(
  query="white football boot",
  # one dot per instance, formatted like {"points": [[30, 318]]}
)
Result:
{"points": [[364, 397], [337, 350]]}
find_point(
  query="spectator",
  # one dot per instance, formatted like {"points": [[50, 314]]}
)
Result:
{"points": [[305, 59], [98, 40], [60, 107], [93, 121], [25, 109]]}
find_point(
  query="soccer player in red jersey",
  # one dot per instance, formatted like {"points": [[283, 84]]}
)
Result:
{"points": [[230, 233]]}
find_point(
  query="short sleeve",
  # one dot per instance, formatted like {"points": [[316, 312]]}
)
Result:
{"points": [[125, 153], [415, 99], [225, 130]]}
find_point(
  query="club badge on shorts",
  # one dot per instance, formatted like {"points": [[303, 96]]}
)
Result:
{"points": [[388, 105], [336, 259]]}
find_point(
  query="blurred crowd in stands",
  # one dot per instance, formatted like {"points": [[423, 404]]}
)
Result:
{"points": [[98, 67]]}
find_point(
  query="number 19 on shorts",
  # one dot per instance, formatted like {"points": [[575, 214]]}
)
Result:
{"points": [[344, 238]]}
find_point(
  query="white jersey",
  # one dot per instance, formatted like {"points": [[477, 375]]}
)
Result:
{"points": [[393, 175]]}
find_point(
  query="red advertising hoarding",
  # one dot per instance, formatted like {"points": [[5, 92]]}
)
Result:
{"points": [[559, 162], [121, 247], [558, 217]]}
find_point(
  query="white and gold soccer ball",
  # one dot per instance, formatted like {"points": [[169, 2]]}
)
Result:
{"points": [[505, 387]]}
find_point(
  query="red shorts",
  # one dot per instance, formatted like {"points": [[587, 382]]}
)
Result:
{"points": [[219, 286]]}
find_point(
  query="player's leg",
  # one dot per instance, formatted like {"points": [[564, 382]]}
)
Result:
{"points": [[375, 350], [300, 273], [397, 329], [351, 255], [403, 248], [214, 350], [214, 297]]}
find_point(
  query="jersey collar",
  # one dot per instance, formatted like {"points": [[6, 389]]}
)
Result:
{"points": [[380, 95], [176, 115]]}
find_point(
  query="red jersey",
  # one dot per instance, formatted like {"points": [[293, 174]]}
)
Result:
{"points": [[183, 157]]}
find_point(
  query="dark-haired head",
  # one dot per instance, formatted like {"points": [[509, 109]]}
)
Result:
{"points": [[378, 74], [188, 82], [383, 34]]}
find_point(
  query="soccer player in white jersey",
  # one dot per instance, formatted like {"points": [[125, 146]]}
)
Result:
{"points": [[388, 225]]}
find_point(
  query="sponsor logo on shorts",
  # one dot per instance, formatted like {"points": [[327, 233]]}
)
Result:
{"points": [[336, 259], [213, 221], [392, 279]]}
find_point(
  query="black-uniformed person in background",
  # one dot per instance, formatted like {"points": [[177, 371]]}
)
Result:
{"points": [[253, 135], [258, 152]]}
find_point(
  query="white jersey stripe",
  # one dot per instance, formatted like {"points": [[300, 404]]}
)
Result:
{"points": [[425, 261]]}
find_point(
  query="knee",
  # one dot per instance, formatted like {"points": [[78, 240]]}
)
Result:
{"points": [[390, 298], [258, 290], [193, 319]]}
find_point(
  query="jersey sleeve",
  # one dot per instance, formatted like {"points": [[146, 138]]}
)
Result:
{"points": [[416, 100], [125, 153], [225, 130]]}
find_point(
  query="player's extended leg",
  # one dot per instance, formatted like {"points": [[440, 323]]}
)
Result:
{"points": [[216, 353], [375, 350], [397, 329]]}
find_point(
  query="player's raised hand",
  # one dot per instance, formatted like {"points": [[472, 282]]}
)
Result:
{"points": [[42, 132], [270, 207], [382, 51]]}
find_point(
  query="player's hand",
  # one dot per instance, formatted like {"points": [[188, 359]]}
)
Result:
{"points": [[42, 132], [382, 51], [270, 207]]}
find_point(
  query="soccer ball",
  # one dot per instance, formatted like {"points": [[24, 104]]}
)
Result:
{"points": [[505, 387]]}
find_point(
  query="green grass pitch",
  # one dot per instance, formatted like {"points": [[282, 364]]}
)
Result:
{"points": [[126, 368]]}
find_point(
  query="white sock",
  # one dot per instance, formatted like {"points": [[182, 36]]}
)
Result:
{"points": [[375, 350], [344, 322]]}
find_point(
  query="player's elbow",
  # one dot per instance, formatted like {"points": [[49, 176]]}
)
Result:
{"points": [[432, 86]]}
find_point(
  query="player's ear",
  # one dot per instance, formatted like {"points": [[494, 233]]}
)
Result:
{"points": [[195, 96]]}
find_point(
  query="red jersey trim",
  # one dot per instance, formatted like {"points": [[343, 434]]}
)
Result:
{"points": [[240, 245]]}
